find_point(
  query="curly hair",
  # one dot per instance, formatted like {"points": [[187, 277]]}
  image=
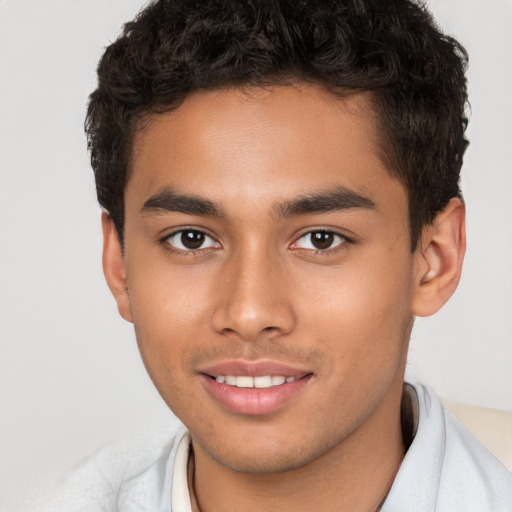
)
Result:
{"points": [[392, 48]]}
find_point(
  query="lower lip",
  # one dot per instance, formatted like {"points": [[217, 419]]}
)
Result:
{"points": [[254, 401]]}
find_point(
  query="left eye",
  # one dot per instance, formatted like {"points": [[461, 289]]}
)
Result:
{"points": [[319, 240], [190, 240]]}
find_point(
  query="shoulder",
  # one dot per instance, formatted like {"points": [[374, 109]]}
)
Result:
{"points": [[132, 474], [446, 469], [471, 475]]}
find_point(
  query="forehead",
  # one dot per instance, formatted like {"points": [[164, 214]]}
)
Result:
{"points": [[255, 144]]}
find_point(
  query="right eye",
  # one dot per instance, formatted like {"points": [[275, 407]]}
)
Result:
{"points": [[190, 240]]}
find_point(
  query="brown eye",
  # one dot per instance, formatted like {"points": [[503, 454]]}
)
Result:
{"points": [[190, 240], [320, 240]]}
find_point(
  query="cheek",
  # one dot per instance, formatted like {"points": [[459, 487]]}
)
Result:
{"points": [[361, 311], [167, 328], [169, 314], [166, 296]]}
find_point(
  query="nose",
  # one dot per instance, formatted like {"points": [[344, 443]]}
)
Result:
{"points": [[253, 299]]}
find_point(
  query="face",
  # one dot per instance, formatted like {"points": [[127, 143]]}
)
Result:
{"points": [[268, 271]]}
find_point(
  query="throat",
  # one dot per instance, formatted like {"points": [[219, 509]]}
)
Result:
{"points": [[340, 489]]}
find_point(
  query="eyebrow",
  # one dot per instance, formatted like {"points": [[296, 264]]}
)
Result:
{"points": [[337, 199], [168, 200]]}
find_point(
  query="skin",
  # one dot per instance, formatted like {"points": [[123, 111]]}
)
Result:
{"points": [[257, 289]]}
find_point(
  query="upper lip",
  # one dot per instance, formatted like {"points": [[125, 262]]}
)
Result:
{"points": [[253, 369]]}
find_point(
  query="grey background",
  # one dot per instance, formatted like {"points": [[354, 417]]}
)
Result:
{"points": [[71, 379]]}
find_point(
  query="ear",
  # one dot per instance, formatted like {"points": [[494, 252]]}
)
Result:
{"points": [[113, 266], [438, 259]]}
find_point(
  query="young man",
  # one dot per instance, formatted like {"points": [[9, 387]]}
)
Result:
{"points": [[280, 185]]}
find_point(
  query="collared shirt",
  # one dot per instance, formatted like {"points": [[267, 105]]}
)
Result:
{"points": [[444, 470]]}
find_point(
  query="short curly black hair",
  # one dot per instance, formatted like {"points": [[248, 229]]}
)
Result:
{"points": [[392, 48]]}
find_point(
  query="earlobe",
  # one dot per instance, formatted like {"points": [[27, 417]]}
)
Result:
{"points": [[439, 259], [113, 266]]}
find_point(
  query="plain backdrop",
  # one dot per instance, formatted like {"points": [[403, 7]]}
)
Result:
{"points": [[71, 379]]}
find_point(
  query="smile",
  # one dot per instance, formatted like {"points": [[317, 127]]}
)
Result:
{"points": [[254, 388], [260, 382]]}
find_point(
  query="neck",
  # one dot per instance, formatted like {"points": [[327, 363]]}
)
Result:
{"points": [[354, 476]]}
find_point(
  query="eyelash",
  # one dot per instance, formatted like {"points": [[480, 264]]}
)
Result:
{"points": [[195, 252]]}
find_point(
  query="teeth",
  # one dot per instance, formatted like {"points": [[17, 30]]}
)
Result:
{"points": [[230, 380], [263, 382], [260, 382], [244, 382]]}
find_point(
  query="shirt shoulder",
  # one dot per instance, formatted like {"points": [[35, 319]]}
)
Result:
{"points": [[128, 476], [471, 477], [446, 469]]}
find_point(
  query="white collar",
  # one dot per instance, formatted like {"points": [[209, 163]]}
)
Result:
{"points": [[180, 497]]}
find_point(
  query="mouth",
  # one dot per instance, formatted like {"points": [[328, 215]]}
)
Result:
{"points": [[254, 388], [259, 382]]}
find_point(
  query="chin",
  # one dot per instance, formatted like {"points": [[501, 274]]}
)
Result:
{"points": [[264, 464], [268, 458]]}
